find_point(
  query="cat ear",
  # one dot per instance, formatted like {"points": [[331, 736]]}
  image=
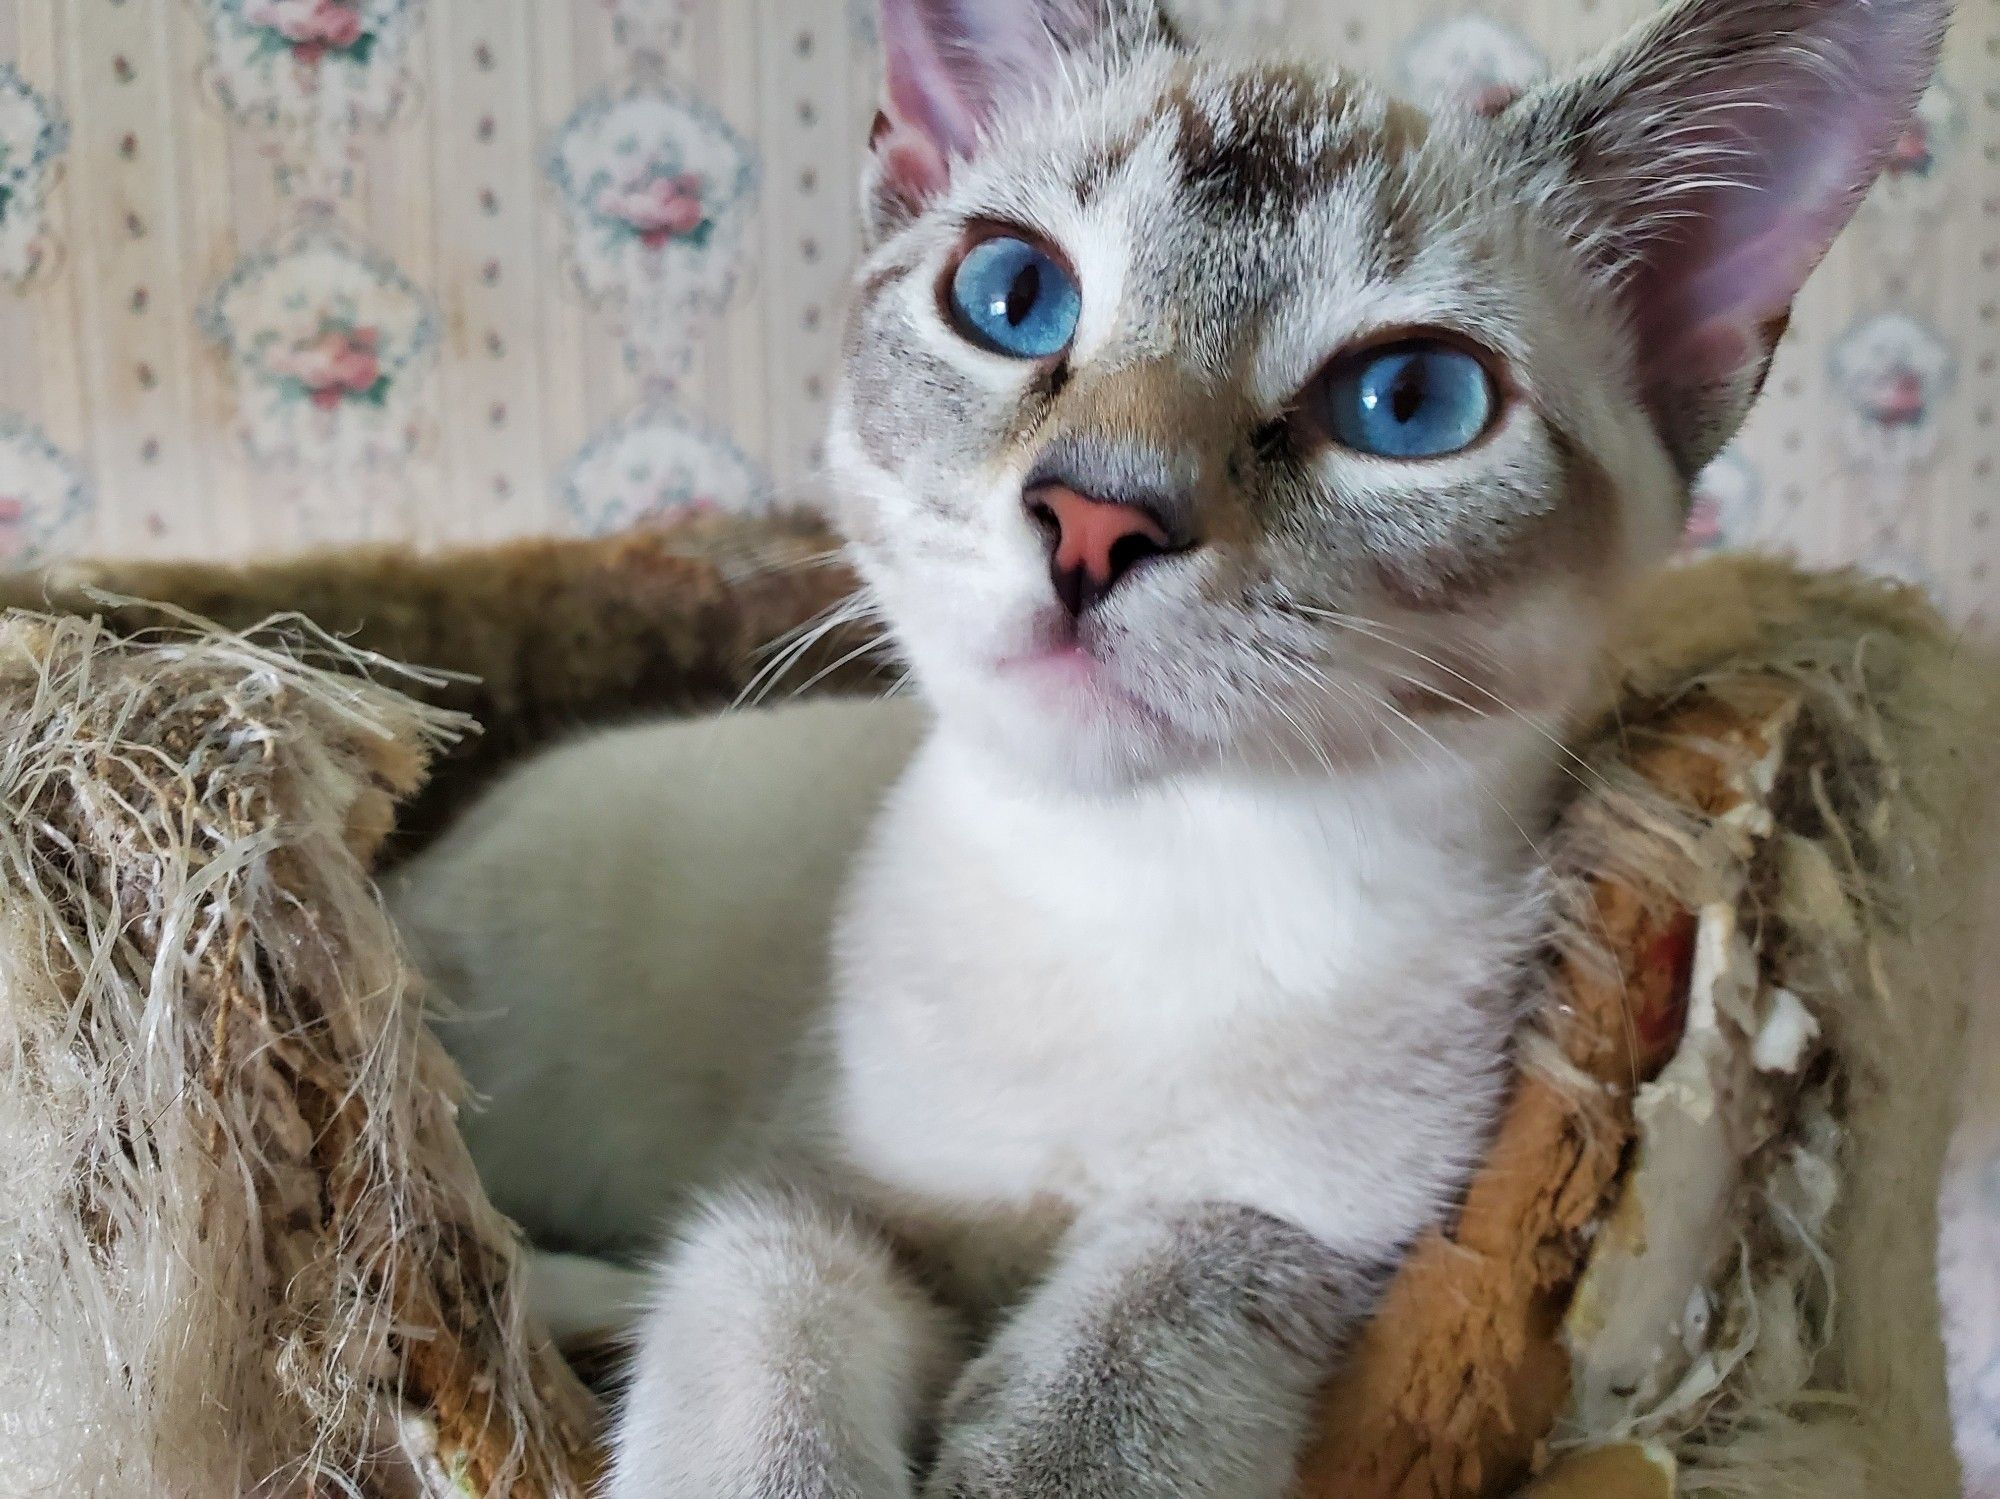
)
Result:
{"points": [[1707, 164], [948, 64]]}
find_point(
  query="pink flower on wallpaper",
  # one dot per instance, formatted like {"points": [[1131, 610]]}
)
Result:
{"points": [[312, 28], [327, 342], [1489, 99], [656, 189], [1892, 373], [336, 64], [1704, 527], [1917, 182], [1912, 151], [44, 498], [1723, 505], [1897, 398], [653, 468], [658, 209], [338, 364], [1470, 59]]}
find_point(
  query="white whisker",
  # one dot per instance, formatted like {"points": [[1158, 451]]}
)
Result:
{"points": [[1575, 765], [853, 609]]}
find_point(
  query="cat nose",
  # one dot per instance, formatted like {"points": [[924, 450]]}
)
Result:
{"points": [[1092, 542]]}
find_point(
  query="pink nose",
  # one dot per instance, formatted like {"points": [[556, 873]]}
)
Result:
{"points": [[1092, 543]]}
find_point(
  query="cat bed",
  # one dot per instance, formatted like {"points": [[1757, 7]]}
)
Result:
{"points": [[242, 1250]]}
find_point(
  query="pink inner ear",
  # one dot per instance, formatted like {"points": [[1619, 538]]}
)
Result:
{"points": [[948, 64], [926, 94], [909, 165], [1798, 148], [1704, 295]]}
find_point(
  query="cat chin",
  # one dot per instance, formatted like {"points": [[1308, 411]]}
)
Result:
{"points": [[1049, 728]]}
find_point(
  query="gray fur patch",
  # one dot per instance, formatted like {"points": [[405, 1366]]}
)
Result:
{"points": [[1177, 1360]]}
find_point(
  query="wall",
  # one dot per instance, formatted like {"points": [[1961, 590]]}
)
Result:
{"points": [[283, 272], [291, 271]]}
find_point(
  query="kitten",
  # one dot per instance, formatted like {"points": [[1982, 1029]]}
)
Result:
{"points": [[1246, 464]]}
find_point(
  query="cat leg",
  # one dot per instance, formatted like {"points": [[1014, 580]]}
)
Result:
{"points": [[1171, 1354], [785, 1355]]}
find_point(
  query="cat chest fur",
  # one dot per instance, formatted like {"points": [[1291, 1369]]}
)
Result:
{"points": [[1233, 994]]}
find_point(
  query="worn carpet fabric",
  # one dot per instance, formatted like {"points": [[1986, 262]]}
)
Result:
{"points": [[241, 1246], [534, 639], [238, 1238], [1730, 1266]]}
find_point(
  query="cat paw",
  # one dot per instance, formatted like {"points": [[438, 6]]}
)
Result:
{"points": [[1029, 1470], [964, 1473], [1006, 1435]]}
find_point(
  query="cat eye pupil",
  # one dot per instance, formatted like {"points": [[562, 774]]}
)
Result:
{"points": [[1022, 295], [1407, 399], [1416, 399], [1008, 295]]}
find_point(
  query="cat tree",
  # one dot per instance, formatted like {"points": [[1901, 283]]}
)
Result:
{"points": [[242, 1250]]}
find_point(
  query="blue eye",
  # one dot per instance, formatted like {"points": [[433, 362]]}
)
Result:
{"points": [[1407, 400], [1011, 298]]}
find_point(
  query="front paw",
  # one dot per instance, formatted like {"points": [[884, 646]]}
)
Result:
{"points": [[1007, 1434]]}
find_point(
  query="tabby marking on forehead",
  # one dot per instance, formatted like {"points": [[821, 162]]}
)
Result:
{"points": [[1270, 140]]}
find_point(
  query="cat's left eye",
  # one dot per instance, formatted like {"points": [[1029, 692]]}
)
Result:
{"points": [[1417, 398], [1011, 296]]}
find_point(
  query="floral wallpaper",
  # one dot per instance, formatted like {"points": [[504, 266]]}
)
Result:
{"points": [[278, 273], [448, 270]]}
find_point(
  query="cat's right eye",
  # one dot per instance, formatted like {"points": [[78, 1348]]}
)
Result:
{"points": [[1011, 296]]}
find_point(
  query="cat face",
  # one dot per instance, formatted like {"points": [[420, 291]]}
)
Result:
{"points": [[1215, 411]]}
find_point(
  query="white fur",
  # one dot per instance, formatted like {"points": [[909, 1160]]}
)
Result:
{"points": [[1210, 990], [1187, 992], [580, 1298], [862, 1353]]}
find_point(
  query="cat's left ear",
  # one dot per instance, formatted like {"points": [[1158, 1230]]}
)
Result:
{"points": [[1707, 164], [949, 64]]}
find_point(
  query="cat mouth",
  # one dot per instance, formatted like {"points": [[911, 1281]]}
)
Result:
{"points": [[1062, 652], [1069, 672], [1072, 662]]}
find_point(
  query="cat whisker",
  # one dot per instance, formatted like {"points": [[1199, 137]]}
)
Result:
{"points": [[1528, 840], [880, 642], [1301, 666], [1271, 701], [1574, 765], [1387, 714], [784, 641], [792, 648], [772, 563]]}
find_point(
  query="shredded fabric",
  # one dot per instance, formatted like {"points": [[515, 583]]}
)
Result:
{"points": [[237, 1232]]}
